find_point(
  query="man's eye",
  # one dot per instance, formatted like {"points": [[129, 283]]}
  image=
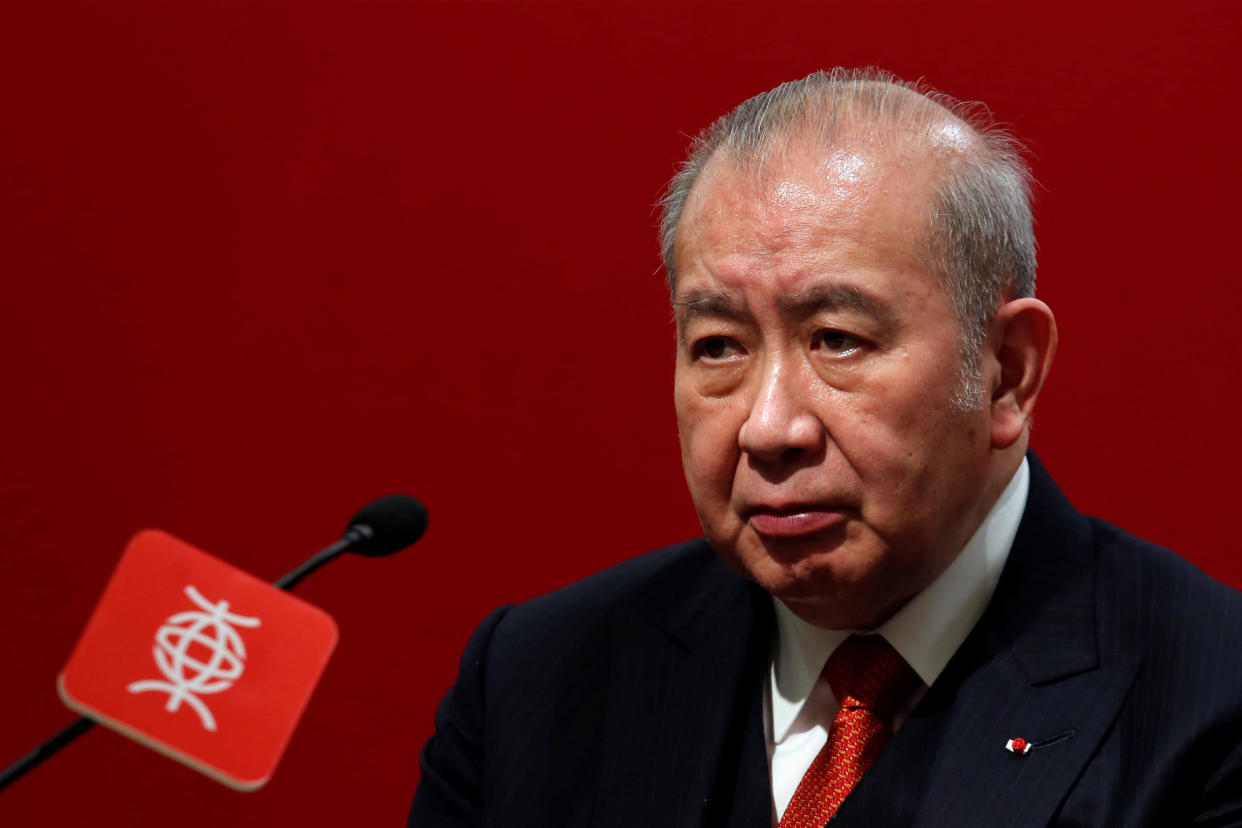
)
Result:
{"points": [[715, 347], [837, 343]]}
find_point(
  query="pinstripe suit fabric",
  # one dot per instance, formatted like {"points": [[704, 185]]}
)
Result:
{"points": [[635, 698]]}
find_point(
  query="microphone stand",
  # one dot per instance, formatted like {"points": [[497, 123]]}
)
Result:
{"points": [[22, 766], [357, 532]]}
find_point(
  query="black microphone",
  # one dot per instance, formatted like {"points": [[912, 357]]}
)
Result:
{"points": [[387, 525], [380, 528]]}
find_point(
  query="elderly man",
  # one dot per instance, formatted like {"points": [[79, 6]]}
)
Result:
{"points": [[895, 617]]}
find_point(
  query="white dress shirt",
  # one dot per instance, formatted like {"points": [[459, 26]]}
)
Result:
{"points": [[926, 632]]}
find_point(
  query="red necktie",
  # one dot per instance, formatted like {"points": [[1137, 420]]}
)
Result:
{"points": [[872, 682]]}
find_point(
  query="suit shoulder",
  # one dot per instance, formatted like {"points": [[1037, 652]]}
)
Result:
{"points": [[1170, 607], [1162, 570], [651, 582]]}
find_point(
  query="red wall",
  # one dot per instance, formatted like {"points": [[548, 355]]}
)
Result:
{"points": [[265, 262]]}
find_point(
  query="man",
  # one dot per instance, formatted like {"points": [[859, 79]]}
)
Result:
{"points": [[895, 618]]}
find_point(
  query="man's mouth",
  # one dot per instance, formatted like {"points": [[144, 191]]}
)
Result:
{"points": [[794, 521]]}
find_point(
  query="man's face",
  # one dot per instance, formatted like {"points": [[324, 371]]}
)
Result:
{"points": [[818, 367]]}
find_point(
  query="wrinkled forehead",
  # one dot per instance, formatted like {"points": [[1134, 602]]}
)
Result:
{"points": [[801, 184]]}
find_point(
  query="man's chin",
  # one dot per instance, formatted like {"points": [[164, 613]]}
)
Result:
{"points": [[811, 550], [844, 610], [830, 586]]}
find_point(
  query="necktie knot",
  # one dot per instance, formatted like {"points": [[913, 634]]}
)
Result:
{"points": [[866, 672]]}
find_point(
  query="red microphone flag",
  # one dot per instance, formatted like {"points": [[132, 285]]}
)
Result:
{"points": [[199, 660]]}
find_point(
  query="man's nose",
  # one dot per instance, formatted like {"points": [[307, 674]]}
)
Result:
{"points": [[782, 421]]}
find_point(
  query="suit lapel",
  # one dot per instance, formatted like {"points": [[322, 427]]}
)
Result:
{"points": [[683, 728], [1031, 669]]}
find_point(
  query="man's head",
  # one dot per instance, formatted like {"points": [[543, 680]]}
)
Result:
{"points": [[851, 266]]}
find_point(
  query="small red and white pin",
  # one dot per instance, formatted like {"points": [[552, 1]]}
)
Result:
{"points": [[1018, 745]]}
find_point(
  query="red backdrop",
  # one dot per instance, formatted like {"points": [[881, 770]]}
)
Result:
{"points": [[265, 262]]}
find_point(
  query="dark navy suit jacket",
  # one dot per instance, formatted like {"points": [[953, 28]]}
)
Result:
{"points": [[634, 698]]}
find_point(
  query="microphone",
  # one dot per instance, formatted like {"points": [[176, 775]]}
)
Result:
{"points": [[387, 525], [380, 528]]}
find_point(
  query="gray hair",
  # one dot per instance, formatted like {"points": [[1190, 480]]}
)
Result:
{"points": [[980, 239]]}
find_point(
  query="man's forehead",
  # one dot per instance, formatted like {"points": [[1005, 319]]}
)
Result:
{"points": [[806, 181], [811, 202]]}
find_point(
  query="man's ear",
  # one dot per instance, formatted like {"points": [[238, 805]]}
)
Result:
{"points": [[1023, 342]]}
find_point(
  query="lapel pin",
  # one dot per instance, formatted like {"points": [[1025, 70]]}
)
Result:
{"points": [[1020, 746]]}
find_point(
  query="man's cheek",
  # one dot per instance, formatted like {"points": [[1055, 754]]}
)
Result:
{"points": [[715, 449]]}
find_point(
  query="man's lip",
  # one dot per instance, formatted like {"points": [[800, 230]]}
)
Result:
{"points": [[793, 521]]}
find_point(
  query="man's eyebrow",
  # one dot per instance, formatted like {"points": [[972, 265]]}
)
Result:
{"points": [[836, 297], [706, 303], [801, 304]]}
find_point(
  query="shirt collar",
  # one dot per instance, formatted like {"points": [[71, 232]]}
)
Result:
{"points": [[926, 631]]}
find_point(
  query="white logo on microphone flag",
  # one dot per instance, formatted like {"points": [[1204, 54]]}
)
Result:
{"points": [[188, 677]]}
